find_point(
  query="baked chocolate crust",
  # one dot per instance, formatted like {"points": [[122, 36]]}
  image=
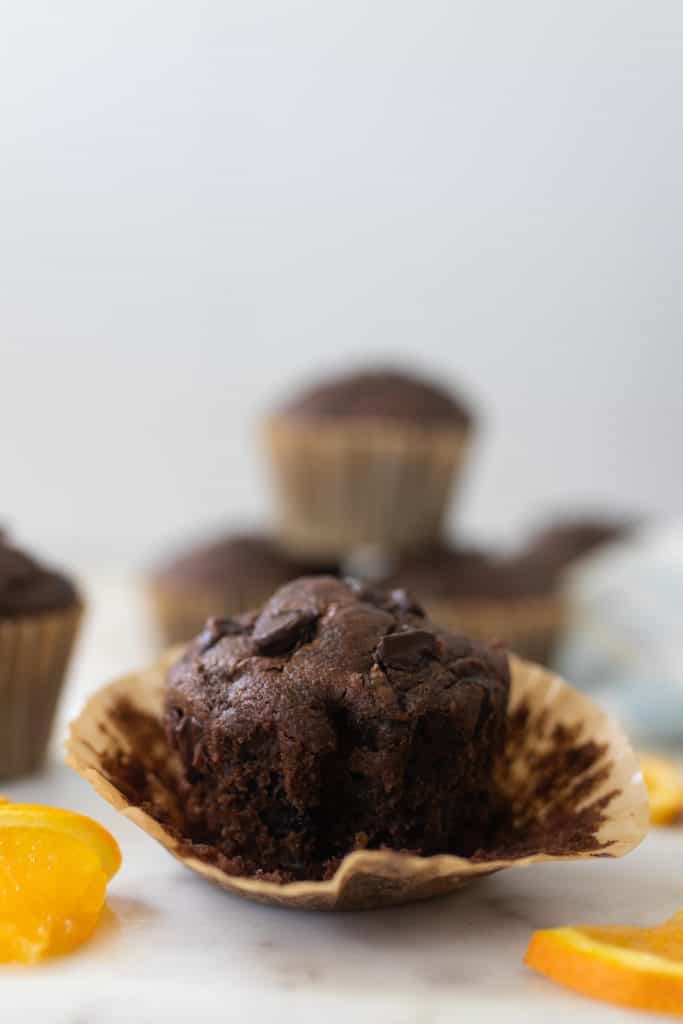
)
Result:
{"points": [[335, 718], [389, 394], [27, 588], [461, 573], [555, 548], [230, 561]]}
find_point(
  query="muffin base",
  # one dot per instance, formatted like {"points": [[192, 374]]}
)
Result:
{"points": [[424, 785], [343, 484], [34, 655]]}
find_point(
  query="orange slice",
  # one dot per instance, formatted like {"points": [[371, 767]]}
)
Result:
{"points": [[664, 783], [54, 869], [637, 967]]}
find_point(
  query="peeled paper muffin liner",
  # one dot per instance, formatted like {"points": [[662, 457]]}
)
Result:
{"points": [[34, 655], [342, 484], [532, 627], [180, 613], [570, 781]]}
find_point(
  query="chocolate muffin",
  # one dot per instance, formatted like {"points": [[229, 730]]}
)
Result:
{"points": [[223, 576], [337, 717], [363, 459], [514, 600], [39, 614], [554, 549]]}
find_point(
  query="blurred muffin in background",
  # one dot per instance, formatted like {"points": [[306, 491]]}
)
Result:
{"points": [[368, 458], [486, 596], [222, 577], [39, 615], [555, 548]]}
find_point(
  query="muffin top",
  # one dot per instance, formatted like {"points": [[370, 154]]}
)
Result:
{"points": [[231, 559], [554, 548], [454, 573], [319, 647], [381, 393], [27, 587]]}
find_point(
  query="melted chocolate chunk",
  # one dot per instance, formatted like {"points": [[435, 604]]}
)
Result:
{"points": [[406, 650], [279, 632], [214, 630]]}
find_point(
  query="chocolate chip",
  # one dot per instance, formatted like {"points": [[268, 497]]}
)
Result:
{"points": [[279, 632], [402, 601], [407, 649], [214, 630]]}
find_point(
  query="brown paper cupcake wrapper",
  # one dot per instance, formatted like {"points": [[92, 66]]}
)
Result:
{"points": [[34, 654], [340, 485], [570, 781], [531, 627], [181, 614]]}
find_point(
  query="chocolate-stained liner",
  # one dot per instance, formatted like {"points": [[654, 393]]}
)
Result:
{"points": [[376, 878], [340, 484], [34, 655], [530, 626], [180, 613]]}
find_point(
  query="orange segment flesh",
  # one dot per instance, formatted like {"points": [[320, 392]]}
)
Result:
{"points": [[54, 868], [664, 783], [54, 819], [637, 967]]}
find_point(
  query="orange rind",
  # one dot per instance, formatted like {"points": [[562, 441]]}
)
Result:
{"points": [[54, 869], [637, 967]]}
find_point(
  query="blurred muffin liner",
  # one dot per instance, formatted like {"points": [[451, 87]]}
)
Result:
{"points": [[532, 627], [569, 782], [34, 655], [181, 613], [341, 484]]}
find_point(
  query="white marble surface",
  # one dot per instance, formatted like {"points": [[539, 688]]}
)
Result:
{"points": [[173, 946]]}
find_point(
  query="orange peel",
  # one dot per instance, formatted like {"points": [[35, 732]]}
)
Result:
{"points": [[54, 869], [664, 782], [637, 967]]}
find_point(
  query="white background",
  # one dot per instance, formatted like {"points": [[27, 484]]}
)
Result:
{"points": [[201, 203]]}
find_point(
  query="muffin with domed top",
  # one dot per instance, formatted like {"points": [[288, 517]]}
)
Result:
{"points": [[334, 718], [556, 548], [511, 598], [367, 458], [39, 614], [224, 575]]}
